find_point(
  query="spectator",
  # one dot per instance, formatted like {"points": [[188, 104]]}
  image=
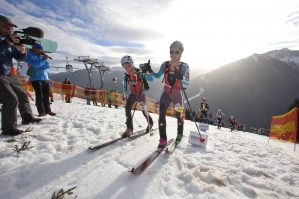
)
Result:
{"points": [[87, 94], [67, 88], [38, 64], [93, 93]]}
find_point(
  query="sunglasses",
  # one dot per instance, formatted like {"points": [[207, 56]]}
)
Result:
{"points": [[127, 65], [174, 52]]}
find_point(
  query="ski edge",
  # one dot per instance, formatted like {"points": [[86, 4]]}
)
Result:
{"points": [[172, 147], [135, 135], [149, 160]]}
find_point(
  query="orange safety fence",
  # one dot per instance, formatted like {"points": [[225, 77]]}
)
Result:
{"points": [[102, 96], [284, 127]]}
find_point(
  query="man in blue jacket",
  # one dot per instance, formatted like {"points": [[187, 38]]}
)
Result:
{"points": [[38, 64], [12, 92]]}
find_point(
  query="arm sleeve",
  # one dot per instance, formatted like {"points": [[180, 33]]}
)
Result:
{"points": [[124, 82], [159, 73], [185, 72], [148, 77], [37, 62]]}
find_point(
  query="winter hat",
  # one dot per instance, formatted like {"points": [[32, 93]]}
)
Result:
{"points": [[38, 46], [177, 45], [5, 20]]}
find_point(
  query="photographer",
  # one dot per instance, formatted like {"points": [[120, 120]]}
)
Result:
{"points": [[38, 65], [6, 27], [12, 92]]}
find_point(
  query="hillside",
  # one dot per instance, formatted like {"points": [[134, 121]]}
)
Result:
{"points": [[252, 89]]}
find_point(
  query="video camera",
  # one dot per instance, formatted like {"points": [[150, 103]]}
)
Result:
{"points": [[25, 36], [146, 67]]}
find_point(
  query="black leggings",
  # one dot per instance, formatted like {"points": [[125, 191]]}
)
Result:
{"points": [[131, 100], [42, 92], [176, 98]]}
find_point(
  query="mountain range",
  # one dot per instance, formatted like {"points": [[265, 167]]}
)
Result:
{"points": [[252, 89]]}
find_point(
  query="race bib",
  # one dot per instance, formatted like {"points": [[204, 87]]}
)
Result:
{"points": [[178, 108]]}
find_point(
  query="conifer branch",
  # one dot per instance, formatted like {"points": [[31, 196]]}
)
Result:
{"points": [[61, 193], [24, 147]]}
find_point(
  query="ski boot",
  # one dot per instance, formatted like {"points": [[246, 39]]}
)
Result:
{"points": [[162, 143], [127, 133]]}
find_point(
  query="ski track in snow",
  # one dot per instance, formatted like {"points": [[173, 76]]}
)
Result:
{"points": [[234, 164]]}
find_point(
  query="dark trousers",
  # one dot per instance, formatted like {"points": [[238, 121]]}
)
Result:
{"points": [[42, 92], [167, 97], [13, 96], [203, 116], [131, 100]]}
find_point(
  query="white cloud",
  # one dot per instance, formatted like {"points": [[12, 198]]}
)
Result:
{"points": [[214, 32]]}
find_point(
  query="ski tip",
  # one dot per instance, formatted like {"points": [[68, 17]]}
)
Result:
{"points": [[91, 148], [131, 170]]}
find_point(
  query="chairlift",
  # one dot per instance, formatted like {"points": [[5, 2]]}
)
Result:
{"points": [[69, 68], [115, 79]]}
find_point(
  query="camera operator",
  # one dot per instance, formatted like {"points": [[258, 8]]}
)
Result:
{"points": [[6, 27], [12, 92]]}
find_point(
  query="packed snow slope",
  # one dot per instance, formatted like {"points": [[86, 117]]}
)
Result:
{"points": [[233, 165]]}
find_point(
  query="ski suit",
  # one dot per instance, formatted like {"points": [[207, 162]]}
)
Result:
{"points": [[136, 85], [204, 107], [233, 123], [172, 93], [219, 117]]}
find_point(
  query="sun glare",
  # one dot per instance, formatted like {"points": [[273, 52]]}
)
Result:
{"points": [[218, 32]]}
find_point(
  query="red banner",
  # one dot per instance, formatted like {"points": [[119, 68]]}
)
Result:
{"points": [[284, 127]]}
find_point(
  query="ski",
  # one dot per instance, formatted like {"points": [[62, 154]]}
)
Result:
{"points": [[170, 148], [132, 137], [30, 128], [144, 164]]}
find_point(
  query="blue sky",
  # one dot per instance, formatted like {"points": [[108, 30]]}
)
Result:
{"points": [[214, 32]]}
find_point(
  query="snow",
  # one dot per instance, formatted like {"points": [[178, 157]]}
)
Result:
{"points": [[233, 165]]}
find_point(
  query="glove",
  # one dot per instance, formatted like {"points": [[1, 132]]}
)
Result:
{"points": [[149, 68], [124, 98]]}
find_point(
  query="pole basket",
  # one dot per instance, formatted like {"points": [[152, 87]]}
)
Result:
{"points": [[195, 139]]}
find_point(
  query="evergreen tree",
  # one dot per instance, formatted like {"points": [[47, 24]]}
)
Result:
{"points": [[294, 104]]}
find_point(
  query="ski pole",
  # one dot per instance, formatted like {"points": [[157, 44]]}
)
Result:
{"points": [[138, 102], [182, 88], [201, 138]]}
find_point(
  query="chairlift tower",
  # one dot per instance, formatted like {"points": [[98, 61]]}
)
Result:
{"points": [[102, 69], [87, 61]]}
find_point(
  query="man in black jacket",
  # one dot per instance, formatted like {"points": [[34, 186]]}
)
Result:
{"points": [[12, 92]]}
